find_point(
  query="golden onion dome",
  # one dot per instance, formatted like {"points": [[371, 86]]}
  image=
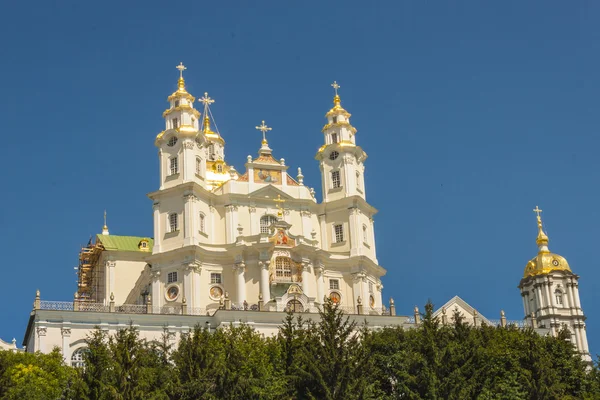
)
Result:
{"points": [[545, 263]]}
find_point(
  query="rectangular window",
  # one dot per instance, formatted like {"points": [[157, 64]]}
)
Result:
{"points": [[202, 223], [176, 103], [198, 166], [336, 182], [173, 166], [334, 284], [334, 138], [175, 123], [334, 119], [215, 278], [357, 180], [339, 233], [365, 234], [370, 287], [173, 222], [172, 277]]}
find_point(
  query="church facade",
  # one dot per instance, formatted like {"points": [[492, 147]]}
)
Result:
{"points": [[231, 247]]}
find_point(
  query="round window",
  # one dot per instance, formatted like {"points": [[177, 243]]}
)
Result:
{"points": [[172, 141], [333, 155]]}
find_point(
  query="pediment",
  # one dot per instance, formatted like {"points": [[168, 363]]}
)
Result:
{"points": [[270, 192], [467, 311]]}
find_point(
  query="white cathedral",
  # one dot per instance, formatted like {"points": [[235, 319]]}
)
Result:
{"points": [[232, 247]]}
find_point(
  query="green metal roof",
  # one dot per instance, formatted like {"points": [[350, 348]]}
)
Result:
{"points": [[124, 243]]}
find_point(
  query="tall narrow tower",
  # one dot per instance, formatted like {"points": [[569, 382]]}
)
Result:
{"points": [[550, 292], [347, 221]]}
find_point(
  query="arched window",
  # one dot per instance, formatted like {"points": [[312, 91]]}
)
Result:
{"points": [[559, 297], [219, 168], [211, 151], [365, 234], [265, 222], [295, 306], [77, 359], [283, 269]]}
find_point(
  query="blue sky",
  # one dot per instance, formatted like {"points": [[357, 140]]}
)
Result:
{"points": [[472, 113]]}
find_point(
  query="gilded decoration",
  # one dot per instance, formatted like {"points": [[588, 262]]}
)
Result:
{"points": [[545, 263], [282, 239], [267, 176], [282, 269]]}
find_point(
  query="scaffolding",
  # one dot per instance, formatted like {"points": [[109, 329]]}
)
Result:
{"points": [[90, 282]]}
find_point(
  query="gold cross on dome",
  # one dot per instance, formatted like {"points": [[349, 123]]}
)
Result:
{"points": [[335, 87], [279, 202], [181, 68], [264, 129], [537, 211], [206, 100]]}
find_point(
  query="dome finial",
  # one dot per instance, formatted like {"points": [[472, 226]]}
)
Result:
{"points": [[542, 238], [207, 101], [105, 227], [181, 82], [264, 129], [336, 99]]}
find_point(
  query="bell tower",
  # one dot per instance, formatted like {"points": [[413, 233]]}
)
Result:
{"points": [[341, 160], [550, 292], [347, 223]]}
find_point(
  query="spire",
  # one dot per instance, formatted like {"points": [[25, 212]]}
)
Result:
{"points": [[181, 82], [206, 130], [336, 98], [264, 149], [542, 238], [105, 228]]}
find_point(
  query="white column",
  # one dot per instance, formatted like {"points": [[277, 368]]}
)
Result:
{"points": [[305, 277], [306, 228], [357, 290], [324, 187], [254, 228], [538, 297], [188, 286], [525, 299], [156, 289], [157, 232], [584, 341], [569, 293], [188, 162], [354, 234], [320, 285], [575, 289], [324, 241], [231, 223], [196, 288], [110, 266], [265, 290], [188, 219], [161, 170], [41, 338], [240, 282], [66, 334], [347, 179], [211, 238], [372, 239], [550, 302]]}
